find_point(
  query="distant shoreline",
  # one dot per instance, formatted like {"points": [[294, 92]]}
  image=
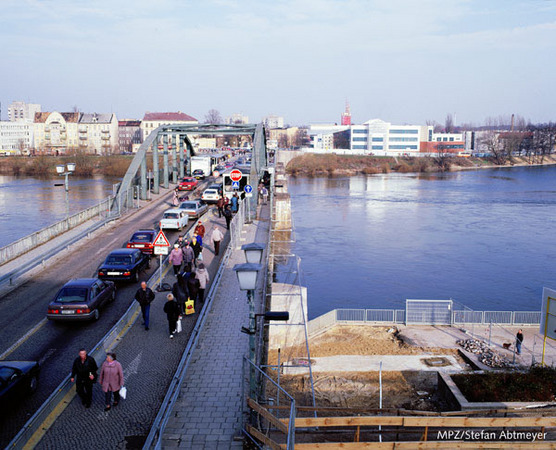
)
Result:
{"points": [[332, 165]]}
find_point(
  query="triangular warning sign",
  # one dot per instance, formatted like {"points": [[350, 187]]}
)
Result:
{"points": [[161, 240]]}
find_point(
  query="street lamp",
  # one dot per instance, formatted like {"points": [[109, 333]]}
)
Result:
{"points": [[253, 252], [66, 171]]}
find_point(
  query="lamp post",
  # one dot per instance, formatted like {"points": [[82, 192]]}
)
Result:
{"points": [[66, 171]]}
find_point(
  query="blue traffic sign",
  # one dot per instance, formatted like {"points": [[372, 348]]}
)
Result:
{"points": [[235, 184], [248, 188]]}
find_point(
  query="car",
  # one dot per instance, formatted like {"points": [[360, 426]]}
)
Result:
{"points": [[17, 379], [210, 195], [188, 184], [123, 264], [220, 168], [194, 208], [174, 219], [199, 174], [81, 299], [217, 186], [143, 240]]}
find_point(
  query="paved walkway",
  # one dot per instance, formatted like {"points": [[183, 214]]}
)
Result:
{"points": [[208, 413]]}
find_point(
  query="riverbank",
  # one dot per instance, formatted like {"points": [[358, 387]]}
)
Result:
{"points": [[86, 165], [317, 165]]}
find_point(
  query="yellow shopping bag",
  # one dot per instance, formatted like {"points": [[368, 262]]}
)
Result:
{"points": [[189, 307]]}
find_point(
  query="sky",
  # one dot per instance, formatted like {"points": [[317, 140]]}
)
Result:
{"points": [[403, 61]]}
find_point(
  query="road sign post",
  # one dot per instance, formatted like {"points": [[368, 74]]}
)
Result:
{"points": [[160, 247], [248, 189]]}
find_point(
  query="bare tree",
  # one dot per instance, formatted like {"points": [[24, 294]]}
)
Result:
{"points": [[213, 117], [449, 124], [442, 157]]}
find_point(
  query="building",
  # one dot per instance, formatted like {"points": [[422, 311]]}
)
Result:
{"points": [[23, 112], [284, 137], [60, 133], [236, 118], [322, 135], [346, 116], [273, 121], [16, 138], [56, 132], [153, 120], [129, 135]]}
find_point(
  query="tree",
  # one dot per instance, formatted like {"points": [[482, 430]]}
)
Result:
{"points": [[442, 157], [213, 117], [449, 124]]}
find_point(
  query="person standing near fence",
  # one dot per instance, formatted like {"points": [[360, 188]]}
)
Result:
{"points": [[217, 237], [220, 206], [227, 216], [519, 341], [111, 379], [203, 277]]}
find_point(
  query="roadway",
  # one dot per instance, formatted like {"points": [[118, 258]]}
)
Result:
{"points": [[25, 334]]}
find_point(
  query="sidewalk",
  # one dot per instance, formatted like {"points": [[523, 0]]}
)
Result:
{"points": [[209, 411]]}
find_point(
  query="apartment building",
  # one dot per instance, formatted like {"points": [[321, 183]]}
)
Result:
{"points": [[152, 120], [129, 135], [23, 112], [16, 138]]}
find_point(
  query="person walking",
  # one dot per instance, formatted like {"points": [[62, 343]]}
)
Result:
{"points": [[264, 192], [175, 198], [188, 257], [519, 341], [217, 237], [181, 242], [172, 310], [179, 291], [220, 206], [84, 373], [193, 286], [200, 230], [203, 277], [176, 258], [144, 297], [111, 379], [227, 216], [197, 246], [235, 202]]}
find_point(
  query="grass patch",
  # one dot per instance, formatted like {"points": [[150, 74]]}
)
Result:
{"points": [[537, 384]]}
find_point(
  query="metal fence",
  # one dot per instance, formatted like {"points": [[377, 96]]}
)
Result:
{"points": [[398, 316], [102, 211]]}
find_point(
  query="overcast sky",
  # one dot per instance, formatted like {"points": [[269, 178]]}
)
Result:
{"points": [[404, 61]]}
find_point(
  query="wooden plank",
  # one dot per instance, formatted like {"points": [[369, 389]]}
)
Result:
{"points": [[304, 422], [479, 422], [439, 445], [268, 416], [264, 439]]}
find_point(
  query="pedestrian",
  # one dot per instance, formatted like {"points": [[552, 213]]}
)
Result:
{"points": [[235, 202], [176, 258], [181, 241], [200, 230], [144, 297], [84, 372], [111, 379], [172, 310], [227, 216], [220, 206], [264, 192], [179, 290], [519, 341], [175, 198], [203, 277], [193, 286], [197, 246], [217, 237], [188, 257]]}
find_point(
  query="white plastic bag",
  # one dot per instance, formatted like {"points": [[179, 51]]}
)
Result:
{"points": [[178, 326], [123, 392]]}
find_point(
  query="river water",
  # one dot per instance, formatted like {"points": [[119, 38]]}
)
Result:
{"points": [[28, 204], [484, 238]]}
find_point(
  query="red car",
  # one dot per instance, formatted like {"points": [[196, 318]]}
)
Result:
{"points": [[188, 184], [143, 240]]}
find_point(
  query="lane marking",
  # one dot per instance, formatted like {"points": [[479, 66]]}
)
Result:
{"points": [[21, 340]]}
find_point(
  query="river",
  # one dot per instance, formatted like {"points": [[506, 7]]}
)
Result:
{"points": [[483, 238], [28, 204]]}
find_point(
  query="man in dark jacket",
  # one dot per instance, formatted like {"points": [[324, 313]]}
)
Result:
{"points": [[193, 286], [227, 216], [84, 370], [172, 311], [145, 296]]}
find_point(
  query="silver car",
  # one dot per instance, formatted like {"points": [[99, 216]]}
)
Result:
{"points": [[194, 208]]}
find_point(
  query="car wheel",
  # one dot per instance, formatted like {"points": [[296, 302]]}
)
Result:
{"points": [[33, 384], [136, 276], [96, 314]]}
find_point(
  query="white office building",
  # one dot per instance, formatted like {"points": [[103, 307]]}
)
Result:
{"points": [[23, 112], [273, 121], [16, 138]]}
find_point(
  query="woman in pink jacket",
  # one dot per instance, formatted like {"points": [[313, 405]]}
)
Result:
{"points": [[111, 379], [176, 258]]}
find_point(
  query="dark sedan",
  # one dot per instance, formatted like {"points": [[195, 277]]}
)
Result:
{"points": [[17, 379], [123, 264], [81, 299]]}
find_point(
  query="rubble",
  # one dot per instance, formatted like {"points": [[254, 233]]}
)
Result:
{"points": [[487, 356]]}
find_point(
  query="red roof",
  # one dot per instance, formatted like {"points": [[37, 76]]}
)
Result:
{"points": [[169, 117], [129, 123]]}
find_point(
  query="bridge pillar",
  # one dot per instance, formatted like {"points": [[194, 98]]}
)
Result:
{"points": [[174, 144], [181, 140], [165, 155], [156, 172], [144, 178]]}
